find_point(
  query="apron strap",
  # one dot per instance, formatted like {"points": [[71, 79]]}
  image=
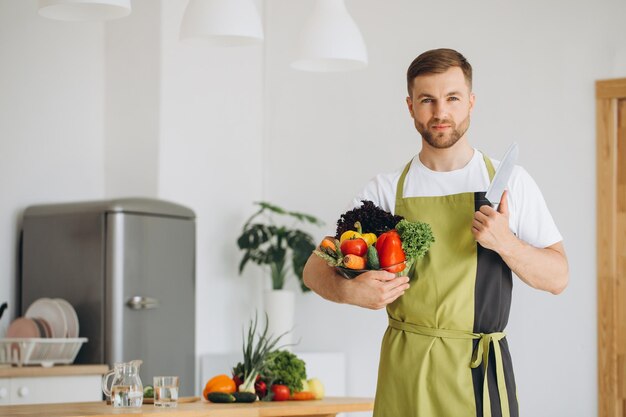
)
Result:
{"points": [[400, 187], [490, 169], [479, 356]]}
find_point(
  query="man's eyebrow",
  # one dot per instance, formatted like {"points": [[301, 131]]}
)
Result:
{"points": [[452, 93]]}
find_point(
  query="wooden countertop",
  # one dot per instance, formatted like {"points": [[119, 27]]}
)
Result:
{"points": [[322, 408], [58, 370]]}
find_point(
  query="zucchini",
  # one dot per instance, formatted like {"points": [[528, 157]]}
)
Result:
{"points": [[220, 397], [244, 397], [372, 258]]}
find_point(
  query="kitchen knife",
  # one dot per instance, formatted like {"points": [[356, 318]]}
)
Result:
{"points": [[503, 173]]}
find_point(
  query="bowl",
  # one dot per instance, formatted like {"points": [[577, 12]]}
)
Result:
{"points": [[353, 273]]}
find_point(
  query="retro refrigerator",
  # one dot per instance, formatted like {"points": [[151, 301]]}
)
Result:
{"points": [[128, 268]]}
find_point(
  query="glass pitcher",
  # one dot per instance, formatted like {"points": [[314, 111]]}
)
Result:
{"points": [[126, 388]]}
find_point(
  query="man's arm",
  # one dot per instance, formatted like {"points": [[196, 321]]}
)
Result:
{"points": [[373, 289], [541, 268]]}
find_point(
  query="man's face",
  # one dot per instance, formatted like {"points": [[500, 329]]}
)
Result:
{"points": [[440, 107]]}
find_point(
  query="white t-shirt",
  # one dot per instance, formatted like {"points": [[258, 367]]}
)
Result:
{"points": [[529, 217]]}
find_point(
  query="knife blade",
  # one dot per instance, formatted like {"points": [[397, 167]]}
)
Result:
{"points": [[503, 173]]}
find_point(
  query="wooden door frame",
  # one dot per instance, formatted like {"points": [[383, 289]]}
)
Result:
{"points": [[610, 393]]}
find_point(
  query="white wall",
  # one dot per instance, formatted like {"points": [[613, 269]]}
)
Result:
{"points": [[51, 121], [535, 64], [132, 102], [210, 159]]}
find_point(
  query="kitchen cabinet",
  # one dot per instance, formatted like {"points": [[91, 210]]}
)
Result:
{"points": [[60, 384]]}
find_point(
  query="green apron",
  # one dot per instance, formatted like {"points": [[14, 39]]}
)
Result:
{"points": [[444, 353]]}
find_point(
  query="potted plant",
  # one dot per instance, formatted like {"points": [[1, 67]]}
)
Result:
{"points": [[284, 249]]}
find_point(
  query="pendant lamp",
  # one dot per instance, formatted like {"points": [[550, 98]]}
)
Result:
{"points": [[331, 40], [82, 10], [222, 22]]}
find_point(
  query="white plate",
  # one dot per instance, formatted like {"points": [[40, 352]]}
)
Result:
{"points": [[71, 318], [49, 310]]}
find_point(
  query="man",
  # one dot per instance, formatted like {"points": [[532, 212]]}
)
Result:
{"points": [[444, 352]]}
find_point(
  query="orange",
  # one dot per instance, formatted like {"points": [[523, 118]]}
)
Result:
{"points": [[219, 383]]}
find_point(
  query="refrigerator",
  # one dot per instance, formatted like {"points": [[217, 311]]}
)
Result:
{"points": [[127, 266]]}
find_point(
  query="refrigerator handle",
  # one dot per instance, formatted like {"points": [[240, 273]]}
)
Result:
{"points": [[138, 302]]}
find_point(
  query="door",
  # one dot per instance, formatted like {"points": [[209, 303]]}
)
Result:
{"points": [[611, 245], [151, 288]]}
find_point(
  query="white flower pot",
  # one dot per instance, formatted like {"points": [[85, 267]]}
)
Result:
{"points": [[280, 308]]}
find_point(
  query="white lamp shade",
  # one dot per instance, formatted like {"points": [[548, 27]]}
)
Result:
{"points": [[84, 10], [331, 40], [222, 22]]}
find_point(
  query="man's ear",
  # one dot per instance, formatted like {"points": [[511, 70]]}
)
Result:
{"points": [[472, 100], [409, 103]]}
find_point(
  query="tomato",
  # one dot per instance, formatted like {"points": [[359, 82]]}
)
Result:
{"points": [[281, 392], [356, 246]]}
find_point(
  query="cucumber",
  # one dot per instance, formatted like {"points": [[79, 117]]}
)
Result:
{"points": [[372, 258], [220, 397], [244, 397]]}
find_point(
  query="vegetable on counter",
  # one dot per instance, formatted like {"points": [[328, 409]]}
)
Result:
{"points": [[260, 386], [244, 397], [285, 368], [220, 397], [255, 355], [219, 383], [280, 392], [148, 391], [302, 396], [316, 387]]}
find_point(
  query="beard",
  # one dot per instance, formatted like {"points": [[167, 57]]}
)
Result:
{"points": [[443, 140]]}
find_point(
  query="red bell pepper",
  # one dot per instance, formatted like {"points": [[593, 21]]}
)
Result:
{"points": [[390, 253]]}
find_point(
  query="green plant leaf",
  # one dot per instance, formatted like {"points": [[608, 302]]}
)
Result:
{"points": [[267, 243], [254, 236], [271, 207], [306, 218]]}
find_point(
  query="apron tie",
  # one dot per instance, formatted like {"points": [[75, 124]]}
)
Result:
{"points": [[480, 355]]}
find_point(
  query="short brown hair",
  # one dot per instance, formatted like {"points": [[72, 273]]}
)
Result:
{"points": [[437, 61]]}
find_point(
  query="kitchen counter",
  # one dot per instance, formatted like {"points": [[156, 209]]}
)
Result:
{"points": [[327, 407], [59, 370]]}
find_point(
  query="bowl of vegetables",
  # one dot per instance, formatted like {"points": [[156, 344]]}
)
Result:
{"points": [[369, 238]]}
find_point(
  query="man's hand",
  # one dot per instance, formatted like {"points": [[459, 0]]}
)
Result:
{"points": [[376, 289], [372, 289], [542, 268], [491, 228]]}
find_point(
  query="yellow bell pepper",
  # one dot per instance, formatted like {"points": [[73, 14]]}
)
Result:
{"points": [[349, 234], [370, 238]]}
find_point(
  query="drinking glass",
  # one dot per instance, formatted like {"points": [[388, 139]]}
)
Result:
{"points": [[165, 391]]}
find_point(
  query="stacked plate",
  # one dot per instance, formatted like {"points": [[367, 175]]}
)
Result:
{"points": [[46, 318]]}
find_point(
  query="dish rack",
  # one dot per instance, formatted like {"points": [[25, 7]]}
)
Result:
{"points": [[38, 351]]}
